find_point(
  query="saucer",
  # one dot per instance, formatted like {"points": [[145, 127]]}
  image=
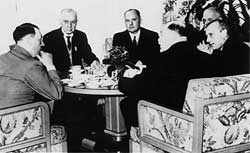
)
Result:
{"points": [[76, 71]]}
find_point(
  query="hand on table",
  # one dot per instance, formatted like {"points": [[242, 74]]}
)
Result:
{"points": [[95, 64], [130, 72]]}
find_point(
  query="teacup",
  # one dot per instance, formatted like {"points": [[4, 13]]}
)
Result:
{"points": [[75, 71], [75, 67]]}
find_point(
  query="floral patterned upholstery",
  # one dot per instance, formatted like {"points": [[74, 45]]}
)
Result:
{"points": [[36, 148], [26, 128], [58, 138], [168, 128], [210, 88], [226, 125], [20, 126], [216, 116]]}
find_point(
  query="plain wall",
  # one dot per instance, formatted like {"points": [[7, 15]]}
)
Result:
{"points": [[97, 18]]}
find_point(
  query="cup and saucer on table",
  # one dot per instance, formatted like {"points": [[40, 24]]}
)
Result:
{"points": [[75, 70], [75, 77], [88, 78]]}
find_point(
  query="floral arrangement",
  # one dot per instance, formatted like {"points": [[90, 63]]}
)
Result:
{"points": [[118, 58], [118, 55]]}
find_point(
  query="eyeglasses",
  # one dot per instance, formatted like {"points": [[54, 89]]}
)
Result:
{"points": [[70, 22]]}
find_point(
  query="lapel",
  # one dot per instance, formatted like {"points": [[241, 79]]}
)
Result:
{"points": [[62, 47], [76, 54], [61, 40], [74, 50], [128, 38], [74, 42], [140, 40]]}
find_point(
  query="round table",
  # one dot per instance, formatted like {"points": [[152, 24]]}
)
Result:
{"points": [[115, 125], [87, 91]]}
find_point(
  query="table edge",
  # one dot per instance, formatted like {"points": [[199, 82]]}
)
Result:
{"points": [[86, 91]]}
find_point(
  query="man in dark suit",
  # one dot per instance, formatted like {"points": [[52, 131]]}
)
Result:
{"points": [[68, 45], [227, 54], [142, 46], [140, 43], [166, 83]]}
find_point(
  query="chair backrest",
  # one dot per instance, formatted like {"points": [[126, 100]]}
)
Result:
{"points": [[222, 124], [210, 88], [164, 129], [108, 43], [25, 128], [216, 118]]}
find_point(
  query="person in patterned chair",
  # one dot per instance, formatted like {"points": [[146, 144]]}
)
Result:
{"points": [[26, 73]]}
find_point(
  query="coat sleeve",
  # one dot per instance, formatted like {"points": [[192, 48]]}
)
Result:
{"points": [[88, 55], [115, 40], [45, 83], [142, 85]]}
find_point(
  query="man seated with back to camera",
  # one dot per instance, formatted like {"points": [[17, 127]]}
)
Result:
{"points": [[69, 46], [26, 73], [166, 83]]}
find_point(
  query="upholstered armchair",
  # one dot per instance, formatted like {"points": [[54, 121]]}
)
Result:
{"points": [[26, 128], [215, 118]]}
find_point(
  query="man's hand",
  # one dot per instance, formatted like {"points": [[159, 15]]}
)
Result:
{"points": [[140, 65], [206, 48], [130, 72], [46, 59], [95, 64]]}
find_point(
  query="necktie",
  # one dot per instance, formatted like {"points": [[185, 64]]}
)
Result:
{"points": [[68, 43], [69, 46], [134, 42]]}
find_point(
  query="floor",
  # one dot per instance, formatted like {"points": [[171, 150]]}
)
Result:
{"points": [[104, 144]]}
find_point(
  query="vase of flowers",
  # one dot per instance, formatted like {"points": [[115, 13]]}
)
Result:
{"points": [[117, 61]]}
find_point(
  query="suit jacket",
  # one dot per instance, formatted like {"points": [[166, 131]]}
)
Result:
{"points": [[23, 77], [55, 44], [233, 59], [166, 83], [147, 47]]}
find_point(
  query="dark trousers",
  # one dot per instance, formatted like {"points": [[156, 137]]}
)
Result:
{"points": [[128, 108], [76, 113]]}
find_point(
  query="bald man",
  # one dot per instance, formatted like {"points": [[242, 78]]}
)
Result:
{"points": [[141, 43], [228, 55], [210, 14]]}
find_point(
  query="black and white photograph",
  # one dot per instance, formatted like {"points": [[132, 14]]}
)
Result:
{"points": [[125, 76]]}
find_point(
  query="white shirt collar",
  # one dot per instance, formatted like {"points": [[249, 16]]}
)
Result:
{"points": [[65, 34], [137, 35]]}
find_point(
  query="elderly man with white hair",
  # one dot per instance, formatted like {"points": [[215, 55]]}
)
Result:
{"points": [[69, 47]]}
